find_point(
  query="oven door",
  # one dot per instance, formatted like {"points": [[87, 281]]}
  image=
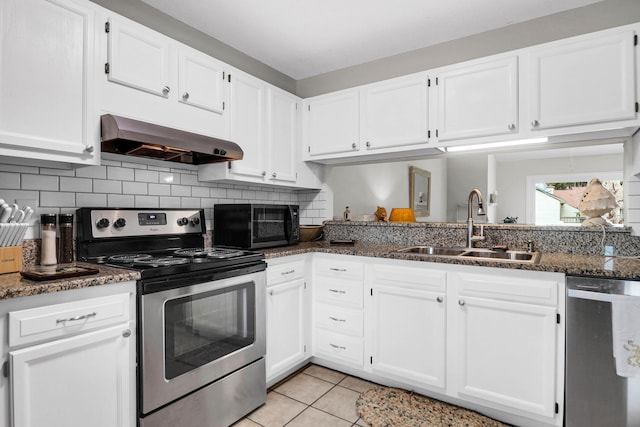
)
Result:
{"points": [[194, 335]]}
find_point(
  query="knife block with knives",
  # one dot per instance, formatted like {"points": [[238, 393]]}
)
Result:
{"points": [[13, 226]]}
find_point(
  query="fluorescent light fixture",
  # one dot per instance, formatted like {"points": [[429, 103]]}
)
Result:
{"points": [[491, 145]]}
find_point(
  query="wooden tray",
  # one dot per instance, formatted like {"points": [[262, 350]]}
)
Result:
{"points": [[57, 272]]}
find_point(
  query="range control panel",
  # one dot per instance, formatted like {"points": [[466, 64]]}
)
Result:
{"points": [[136, 222]]}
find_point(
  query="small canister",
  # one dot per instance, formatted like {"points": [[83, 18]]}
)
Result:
{"points": [[65, 246], [48, 235]]}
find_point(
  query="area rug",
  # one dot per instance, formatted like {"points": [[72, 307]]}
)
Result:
{"points": [[392, 407]]}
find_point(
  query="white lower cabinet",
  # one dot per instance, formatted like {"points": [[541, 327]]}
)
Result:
{"points": [[286, 316], [69, 358], [506, 339], [74, 382], [406, 324]]}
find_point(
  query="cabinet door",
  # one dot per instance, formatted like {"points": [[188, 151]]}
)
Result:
{"points": [[394, 113], [584, 81], [75, 382], [283, 132], [200, 80], [332, 124], [507, 354], [46, 80], [478, 100], [285, 326], [408, 327], [247, 109], [138, 57]]}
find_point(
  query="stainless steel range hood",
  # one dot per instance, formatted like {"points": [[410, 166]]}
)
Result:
{"points": [[131, 137]]}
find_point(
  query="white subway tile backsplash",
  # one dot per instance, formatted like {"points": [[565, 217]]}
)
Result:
{"points": [[10, 180], [78, 185], [147, 201], [91, 200], [146, 176], [109, 187], [135, 188], [39, 182], [170, 202], [56, 198], [99, 172], [181, 190], [123, 184], [159, 190], [120, 174], [120, 201]]}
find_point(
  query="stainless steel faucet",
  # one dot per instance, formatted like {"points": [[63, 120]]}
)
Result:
{"points": [[470, 237]]}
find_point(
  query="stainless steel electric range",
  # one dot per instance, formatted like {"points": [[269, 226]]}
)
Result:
{"points": [[201, 314]]}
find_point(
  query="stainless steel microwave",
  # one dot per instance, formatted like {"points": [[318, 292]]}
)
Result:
{"points": [[254, 226]]}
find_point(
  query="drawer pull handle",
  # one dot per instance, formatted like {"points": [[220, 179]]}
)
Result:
{"points": [[342, 270], [336, 291], [338, 347], [284, 273], [335, 319], [73, 319]]}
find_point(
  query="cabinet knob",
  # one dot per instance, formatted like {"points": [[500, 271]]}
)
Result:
{"points": [[353, 145], [264, 173], [271, 293], [535, 123], [368, 144], [185, 96], [273, 175], [439, 299], [166, 90], [89, 148], [512, 127], [461, 302], [126, 333]]}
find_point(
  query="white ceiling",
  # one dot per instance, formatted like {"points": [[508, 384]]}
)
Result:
{"points": [[303, 38]]}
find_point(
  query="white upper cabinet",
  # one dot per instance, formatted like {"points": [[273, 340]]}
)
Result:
{"points": [[248, 124], [478, 100], [331, 124], [47, 62], [586, 80], [283, 135], [151, 77], [138, 57], [200, 80], [395, 113]]}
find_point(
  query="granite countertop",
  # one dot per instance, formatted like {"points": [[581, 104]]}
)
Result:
{"points": [[577, 265], [13, 285]]}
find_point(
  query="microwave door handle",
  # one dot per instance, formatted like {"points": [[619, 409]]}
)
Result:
{"points": [[289, 229]]}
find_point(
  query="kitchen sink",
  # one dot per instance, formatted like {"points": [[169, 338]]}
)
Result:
{"points": [[473, 253]]}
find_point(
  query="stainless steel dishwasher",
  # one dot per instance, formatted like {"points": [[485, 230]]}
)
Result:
{"points": [[595, 395]]}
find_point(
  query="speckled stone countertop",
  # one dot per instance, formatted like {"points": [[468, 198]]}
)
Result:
{"points": [[570, 264], [13, 285]]}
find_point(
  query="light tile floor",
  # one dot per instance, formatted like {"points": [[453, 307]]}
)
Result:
{"points": [[314, 397]]}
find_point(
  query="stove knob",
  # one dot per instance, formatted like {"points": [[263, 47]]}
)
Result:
{"points": [[183, 221], [195, 221], [102, 223], [119, 223]]}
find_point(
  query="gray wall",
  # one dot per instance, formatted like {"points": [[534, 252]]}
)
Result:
{"points": [[595, 17]]}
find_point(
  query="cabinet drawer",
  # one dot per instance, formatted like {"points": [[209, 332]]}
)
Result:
{"points": [[285, 272], [334, 291], [339, 347], [413, 277], [535, 291], [341, 320], [55, 321], [339, 269]]}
